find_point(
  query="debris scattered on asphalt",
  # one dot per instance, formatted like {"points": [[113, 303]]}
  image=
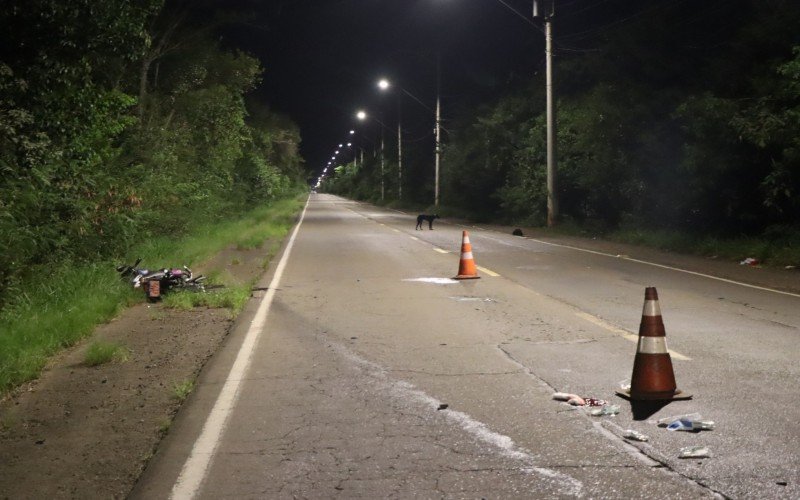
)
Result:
{"points": [[604, 410], [686, 424], [595, 402], [635, 435], [576, 400], [564, 396], [517, 232], [663, 422], [625, 385], [695, 452], [442, 406], [750, 261]]}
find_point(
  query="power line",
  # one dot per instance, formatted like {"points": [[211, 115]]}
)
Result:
{"points": [[520, 15], [583, 34]]}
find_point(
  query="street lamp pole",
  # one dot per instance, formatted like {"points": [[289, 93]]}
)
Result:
{"points": [[362, 115]]}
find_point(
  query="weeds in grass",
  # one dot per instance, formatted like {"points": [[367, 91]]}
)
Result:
{"points": [[233, 298], [181, 390], [100, 353]]}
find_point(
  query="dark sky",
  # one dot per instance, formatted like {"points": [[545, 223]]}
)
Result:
{"points": [[322, 58]]}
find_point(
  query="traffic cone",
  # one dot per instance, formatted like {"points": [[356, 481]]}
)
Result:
{"points": [[466, 266], [652, 378]]}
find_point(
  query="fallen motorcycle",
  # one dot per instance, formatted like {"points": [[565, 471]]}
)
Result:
{"points": [[157, 282]]}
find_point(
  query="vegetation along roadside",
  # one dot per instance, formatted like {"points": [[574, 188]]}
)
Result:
{"points": [[63, 307]]}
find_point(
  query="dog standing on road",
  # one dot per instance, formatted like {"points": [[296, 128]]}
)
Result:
{"points": [[423, 217]]}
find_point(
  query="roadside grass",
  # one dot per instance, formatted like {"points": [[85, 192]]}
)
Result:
{"points": [[181, 390], [230, 297], [100, 353], [63, 307], [782, 251], [778, 247]]}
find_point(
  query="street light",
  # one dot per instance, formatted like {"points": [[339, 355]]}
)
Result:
{"points": [[362, 115], [384, 84]]}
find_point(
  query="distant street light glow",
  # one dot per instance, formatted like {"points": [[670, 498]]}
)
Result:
{"points": [[383, 84], [361, 115]]}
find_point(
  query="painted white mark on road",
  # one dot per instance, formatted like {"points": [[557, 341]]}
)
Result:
{"points": [[436, 281], [437, 249], [567, 484], [472, 299], [623, 333], [195, 468], [414, 238]]}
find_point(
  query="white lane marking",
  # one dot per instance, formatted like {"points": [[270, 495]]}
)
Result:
{"points": [[487, 271], [695, 273], [437, 249], [196, 466], [504, 444], [414, 238], [623, 333]]}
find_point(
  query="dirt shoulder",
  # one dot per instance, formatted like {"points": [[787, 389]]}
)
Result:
{"points": [[87, 432]]}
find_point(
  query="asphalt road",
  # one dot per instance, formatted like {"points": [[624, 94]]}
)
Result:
{"points": [[364, 373]]}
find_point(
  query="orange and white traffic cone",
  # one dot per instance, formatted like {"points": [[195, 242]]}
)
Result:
{"points": [[466, 266], [652, 378]]}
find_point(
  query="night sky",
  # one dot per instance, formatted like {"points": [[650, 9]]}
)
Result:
{"points": [[322, 58]]}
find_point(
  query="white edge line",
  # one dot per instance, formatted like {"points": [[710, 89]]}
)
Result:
{"points": [[479, 430], [194, 469], [695, 273]]}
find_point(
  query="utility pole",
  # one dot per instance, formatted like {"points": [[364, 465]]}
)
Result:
{"points": [[383, 157], [399, 149], [438, 126], [552, 195]]}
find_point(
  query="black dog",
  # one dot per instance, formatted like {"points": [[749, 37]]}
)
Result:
{"points": [[423, 217]]}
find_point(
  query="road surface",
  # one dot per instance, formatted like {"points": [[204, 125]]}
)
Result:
{"points": [[364, 372]]}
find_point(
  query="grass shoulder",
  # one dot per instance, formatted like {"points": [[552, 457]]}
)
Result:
{"points": [[62, 308]]}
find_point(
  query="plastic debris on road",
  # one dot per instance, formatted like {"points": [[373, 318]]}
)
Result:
{"points": [[695, 452], [663, 422], [605, 410], [750, 261], [686, 424], [635, 435]]}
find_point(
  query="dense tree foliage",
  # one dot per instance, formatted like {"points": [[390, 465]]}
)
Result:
{"points": [[118, 119], [676, 118]]}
